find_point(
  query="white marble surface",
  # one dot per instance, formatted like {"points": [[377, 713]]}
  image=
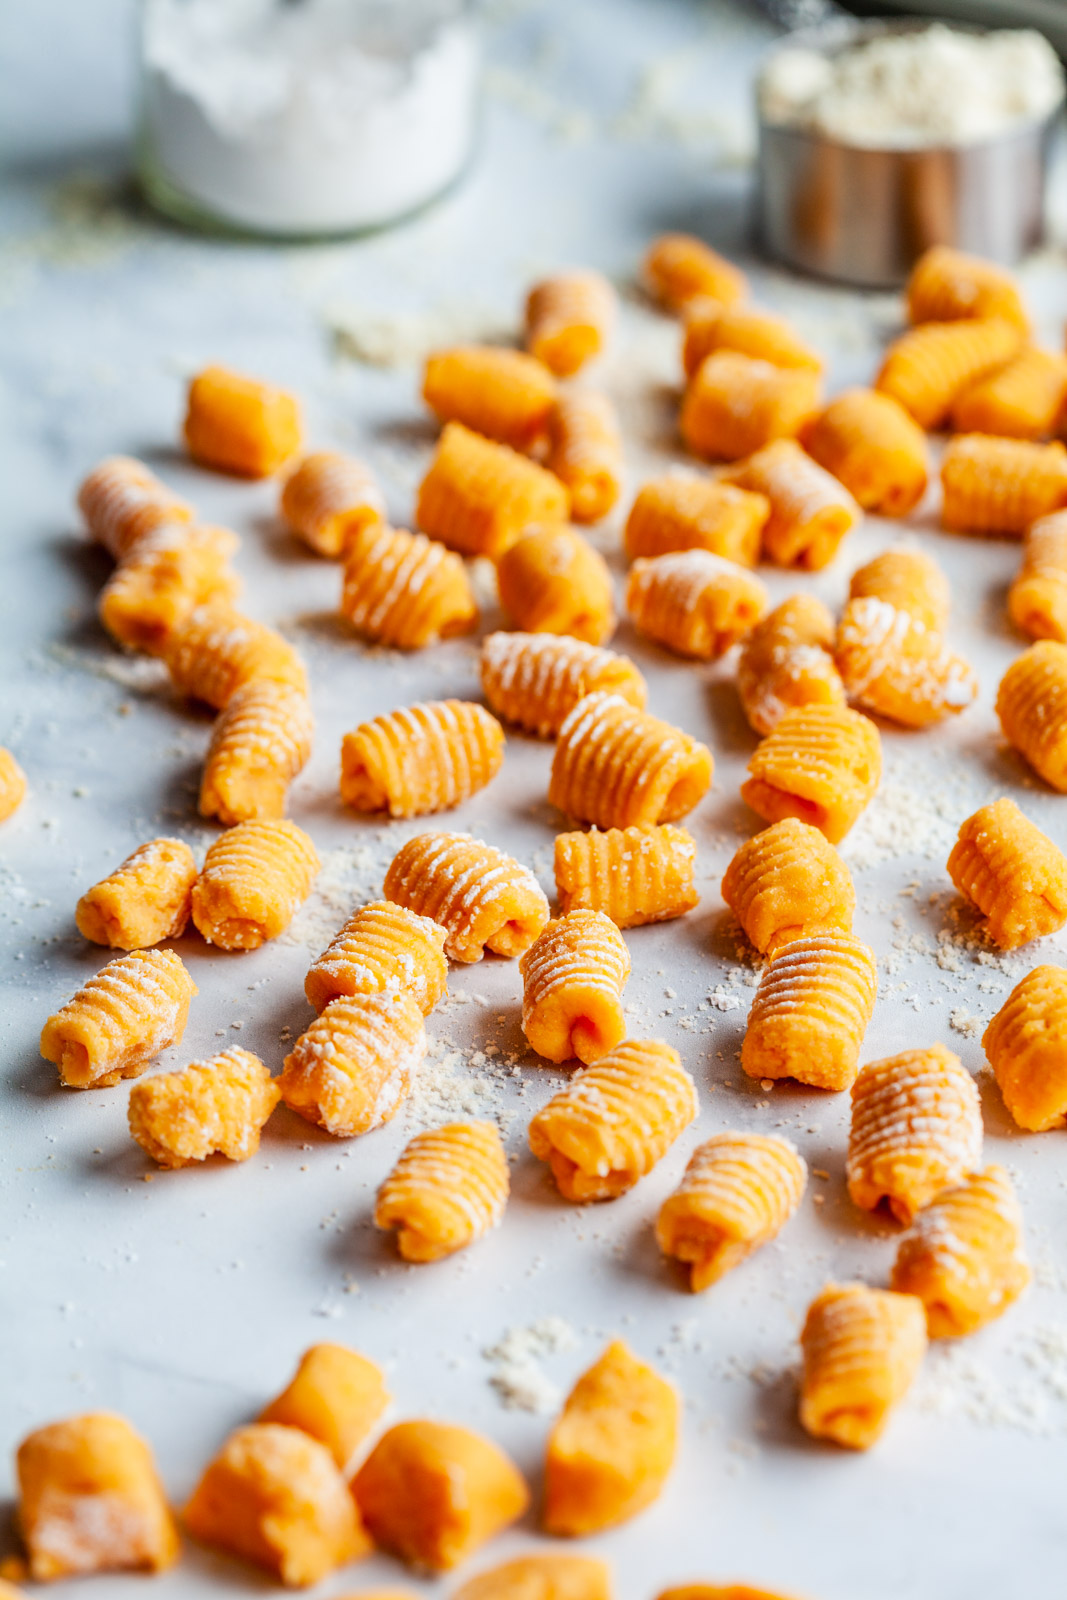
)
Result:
{"points": [[184, 1302]]}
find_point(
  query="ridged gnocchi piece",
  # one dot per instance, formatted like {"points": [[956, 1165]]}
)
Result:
{"points": [[789, 883], [1012, 872], [328, 499], [612, 1447], [821, 764], [552, 580], [336, 1396], [619, 767], [679, 268], [569, 320], [120, 1020], [433, 1494], [13, 782], [213, 1107], [1032, 708], [1037, 600], [991, 485], [479, 496], [274, 1496], [614, 1120], [910, 580], [382, 949], [90, 1500], [216, 651], [682, 511], [501, 394], [404, 590], [1026, 1045], [122, 500], [695, 603], [711, 326], [811, 1011], [573, 977], [420, 759], [738, 1192], [947, 285], [930, 366], [871, 445], [862, 1349], [536, 679], [1023, 400], [167, 574], [916, 1127], [894, 665], [145, 900], [632, 875], [259, 744], [787, 662], [585, 452], [482, 898], [811, 512], [547, 1577], [351, 1070], [253, 879], [448, 1188], [734, 405], [240, 425], [964, 1255]]}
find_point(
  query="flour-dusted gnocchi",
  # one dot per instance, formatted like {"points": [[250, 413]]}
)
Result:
{"points": [[1023, 400], [536, 679], [614, 1120], [815, 999], [891, 663], [738, 1192], [585, 452], [381, 949], [916, 1127], [253, 879], [695, 603], [573, 978], [420, 759], [811, 512], [684, 511], [482, 898], [1032, 707], [120, 1020], [145, 900], [328, 499], [1026, 1045], [991, 485], [259, 744], [13, 783], [336, 1395], [214, 1107], [946, 285], [930, 366], [1037, 599], [405, 590], [352, 1069], [238, 424], [787, 662], [909, 580], [632, 875], [871, 445], [479, 496], [821, 764], [216, 651], [552, 580], [619, 767], [862, 1349], [501, 394], [569, 320], [789, 883], [122, 500], [679, 268], [449, 1187], [735, 404], [711, 325], [1012, 873], [167, 574]]}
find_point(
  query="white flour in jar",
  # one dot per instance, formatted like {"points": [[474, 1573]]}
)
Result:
{"points": [[917, 89], [307, 116]]}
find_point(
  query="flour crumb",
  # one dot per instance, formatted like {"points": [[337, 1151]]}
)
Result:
{"points": [[517, 1375]]}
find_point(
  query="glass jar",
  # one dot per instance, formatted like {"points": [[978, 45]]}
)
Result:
{"points": [[304, 118]]}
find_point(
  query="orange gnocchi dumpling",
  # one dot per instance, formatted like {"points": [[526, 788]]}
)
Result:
{"points": [[1026, 1045], [991, 485], [738, 1192], [433, 1494], [253, 879], [929, 367], [420, 759], [336, 1396], [695, 603], [259, 744], [821, 764], [166, 575], [862, 1349], [871, 445], [13, 784], [908, 579], [147, 899], [122, 500], [352, 1069], [682, 511], [90, 1500], [811, 1010], [120, 1020], [585, 452], [240, 425], [215, 1107], [1032, 708], [786, 662], [482, 898], [479, 496], [499, 393], [405, 590], [614, 1120], [1037, 600], [619, 767], [552, 580], [569, 319], [612, 1447], [536, 679], [734, 404], [632, 875], [548, 1577], [720, 1591], [811, 512], [916, 1127], [679, 268], [216, 651], [381, 949], [711, 326], [573, 977], [449, 1188], [1021, 401], [894, 665], [274, 1496], [328, 499], [789, 883], [947, 285], [1012, 873], [964, 1255]]}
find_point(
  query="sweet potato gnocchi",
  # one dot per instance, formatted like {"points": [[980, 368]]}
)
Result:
{"points": [[482, 898], [145, 900], [215, 1107], [535, 680], [573, 977], [618, 767], [738, 1192], [448, 1188]]}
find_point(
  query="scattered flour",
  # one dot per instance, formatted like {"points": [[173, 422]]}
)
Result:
{"points": [[350, 876], [405, 338], [517, 1376], [905, 821], [956, 1384]]}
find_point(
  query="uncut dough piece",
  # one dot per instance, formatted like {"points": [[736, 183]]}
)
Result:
{"points": [[569, 319], [1026, 1044], [12, 784], [930, 366], [449, 1187], [209, 1107], [871, 445], [145, 900], [479, 496], [789, 883], [483, 899], [687, 511], [404, 590], [352, 1069], [420, 759], [811, 513], [1001, 486], [1037, 600], [259, 744], [862, 1349], [166, 575], [892, 664], [1023, 400], [551, 580], [632, 875], [1032, 708], [336, 1396], [216, 651], [1012, 873], [619, 767], [679, 268], [735, 405], [946, 285], [585, 453], [535, 680], [811, 1010], [253, 879], [328, 499], [381, 949], [121, 501], [573, 977], [547, 1577], [693, 602], [786, 662], [499, 393], [240, 425], [821, 764], [120, 1020]]}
